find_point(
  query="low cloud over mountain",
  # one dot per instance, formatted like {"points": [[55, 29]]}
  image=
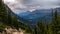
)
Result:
{"points": [[31, 5]]}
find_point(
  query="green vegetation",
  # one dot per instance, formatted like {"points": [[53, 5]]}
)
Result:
{"points": [[53, 27], [7, 20], [42, 27]]}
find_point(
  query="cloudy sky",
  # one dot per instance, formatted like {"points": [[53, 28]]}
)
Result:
{"points": [[19, 6]]}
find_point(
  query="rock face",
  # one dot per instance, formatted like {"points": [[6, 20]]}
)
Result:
{"points": [[12, 31], [17, 33]]}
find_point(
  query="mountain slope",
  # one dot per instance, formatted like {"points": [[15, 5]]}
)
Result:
{"points": [[35, 16]]}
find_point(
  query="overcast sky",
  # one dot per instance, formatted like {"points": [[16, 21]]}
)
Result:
{"points": [[19, 6]]}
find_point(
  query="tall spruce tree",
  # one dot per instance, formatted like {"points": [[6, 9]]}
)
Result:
{"points": [[3, 15], [55, 22]]}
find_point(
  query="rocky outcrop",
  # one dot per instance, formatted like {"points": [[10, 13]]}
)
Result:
{"points": [[12, 31]]}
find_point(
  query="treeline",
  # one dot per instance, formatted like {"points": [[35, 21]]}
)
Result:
{"points": [[8, 20], [48, 27], [42, 27], [45, 27]]}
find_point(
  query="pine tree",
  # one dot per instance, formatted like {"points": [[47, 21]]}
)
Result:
{"points": [[3, 16], [41, 27], [55, 22]]}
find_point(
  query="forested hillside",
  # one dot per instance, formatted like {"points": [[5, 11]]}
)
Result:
{"points": [[7, 20], [44, 27]]}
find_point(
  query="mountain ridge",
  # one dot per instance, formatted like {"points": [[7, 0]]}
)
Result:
{"points": [[35, 16]]}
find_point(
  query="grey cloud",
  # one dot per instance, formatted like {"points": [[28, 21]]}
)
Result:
{"points": [[42, 3], [34, 4]]}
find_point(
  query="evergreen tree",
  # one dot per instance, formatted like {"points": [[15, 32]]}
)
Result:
{"points": [[55, 23], [3, 14]]}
